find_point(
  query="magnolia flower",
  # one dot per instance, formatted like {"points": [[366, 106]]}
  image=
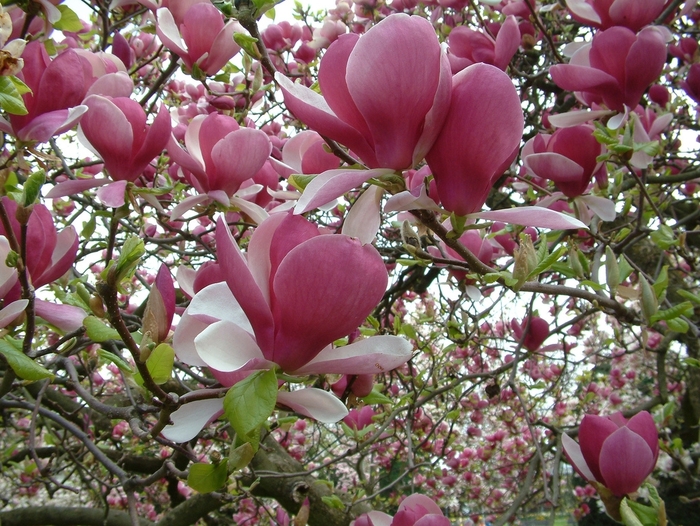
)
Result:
{"points": [[532, 332], [568, 157], [10, 53], [283, 305], [220, 157], [8, 278], [369, 83], [469, 47], [614, 452], [196, 31], [615, 68], [633, 14], [415, 509], [479, 139]]}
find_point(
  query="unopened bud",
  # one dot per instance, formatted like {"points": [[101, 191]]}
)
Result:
{"points": [[525, 260]]}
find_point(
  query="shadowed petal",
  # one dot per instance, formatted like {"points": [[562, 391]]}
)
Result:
{"points": [[625, 461], [536, 216], [573, 452], [593, 432]]}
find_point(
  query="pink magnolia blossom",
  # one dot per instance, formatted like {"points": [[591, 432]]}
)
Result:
{"points": [[196, 31], [615, 452], [8, 278], [479, 138], [691, 84], [128, 144], [284, 303], [414, 510], [49, 254], [58, 88], [532, 332], [615, 68], [568, 157], [369, 82], [633, 14], [220, 154], [306, 153], [469, 47]]}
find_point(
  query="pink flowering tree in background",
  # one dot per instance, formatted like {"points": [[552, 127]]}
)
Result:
{"points": [[386, 262]]}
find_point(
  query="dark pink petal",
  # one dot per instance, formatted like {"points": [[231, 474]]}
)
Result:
{"points": [[244, 288], [199, 27], [334, 87], [625, 461], [481, 133], [644, 64], [593, 432], [62, 257], [643, 424], [237, 158], [156, 138], [164, 284], [62, 85], [45, 126], [549, 165], [316, 281], [433, 520], [507, 43], [635, 14], [407, 73], [572, 77], [292, 231], [112, 141]]}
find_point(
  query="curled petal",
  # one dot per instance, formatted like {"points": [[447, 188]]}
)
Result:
{"points": [[315, 403], [191, 418]]}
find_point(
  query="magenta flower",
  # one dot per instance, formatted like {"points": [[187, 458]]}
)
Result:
{"points": [[128, 144], [414, 510], [283, 304], [615, 452], [220, 154], [691, 84], [568, 157], [49, 255], [615, 68], [471, 46], [369, 82], [633, 14], [533, 331], [479, 138], [196, 31]]}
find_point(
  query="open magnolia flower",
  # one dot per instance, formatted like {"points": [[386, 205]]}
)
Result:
{"points": [[415, 509], [283, 304], [614, 452]]}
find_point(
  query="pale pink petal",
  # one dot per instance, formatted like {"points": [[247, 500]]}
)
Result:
{"points": [[227, 347], [374, 355], [423, 501], [256, 213], [112, 195], [67, 318], [191, 418], [117, 84], [583, 10], [75, 186], [10, 312], [536, 216], [573, 452], [407, 201], [185, 277], [379, 518], [168, 32], [364, 218], [314, 403], [574, 118], [603, 208], [188, 204], [330, 185], [46, 125], [433, 519]]}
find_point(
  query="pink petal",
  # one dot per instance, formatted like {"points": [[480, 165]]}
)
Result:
{"points": [[583, 10], [62, 257], [238, 157], [66, 318], [314, 403], [332, 184], [46, 125], [76, 186], [602, 207], [373, 355], [9, 313], [117, 84], [536, 216], [318, 279], [188, 204], [625, 461], [112, 195], [593, 432], [168, 32], [573, 452], [364, 218], [222, 49], [507, 43], [407, 72], [550, 165], [417, 499], [643, 424], [191, 418], [241, 282]]}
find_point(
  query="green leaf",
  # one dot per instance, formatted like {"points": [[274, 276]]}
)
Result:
{"points": [[23, 366], [300, 181], [249, 403], [160, 363], [682, 309], [22, 88], [116, 360], [612, 270], [591, 284], [375, 397], [248, 44], [678, 325], [129, 257], [241, 456], [206, 478], [664, 237], [629, 518], [98, 332], [88, 228], [689, 295], [10, 98], [333, 501], [692, 362], [649, 302], [661, 283], [646, 514], [69, 20], [32, 187]]}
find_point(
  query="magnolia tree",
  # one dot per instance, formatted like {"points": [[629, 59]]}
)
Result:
{"points": [[393, 263]]}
